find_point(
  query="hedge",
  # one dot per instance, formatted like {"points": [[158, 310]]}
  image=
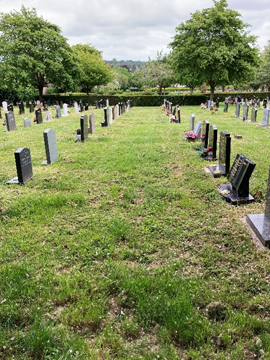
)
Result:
{"points": [[151, 100]]}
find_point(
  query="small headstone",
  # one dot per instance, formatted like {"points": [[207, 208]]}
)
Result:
{"points": [[65, 108], [10, 120], [265, 121], [50, 147], [39, 116], [260, 223], [192, 121], [5, 106], [76, 107], [197, 130], [58, 112], [27, 122], [84, 127], [91, 129], [205, 133], [237, 191], [48, 116], [23, 166], [223, 166], [254, 114]]}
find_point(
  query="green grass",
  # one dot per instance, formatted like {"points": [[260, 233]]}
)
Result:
{"points": [[124, 249]]}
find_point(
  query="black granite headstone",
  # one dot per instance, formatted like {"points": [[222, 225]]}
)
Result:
{"points": [[10, 120], [39, 116], [212, 143], [260, 223], [105, 122], [205, 133], [50, 146], [84, 127], [237, 191], [223, 166], [23, 166]]}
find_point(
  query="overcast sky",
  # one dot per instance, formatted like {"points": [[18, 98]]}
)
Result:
{"points": [[134, 29]]}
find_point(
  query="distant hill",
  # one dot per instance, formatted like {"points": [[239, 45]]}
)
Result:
{"points": [[131, 65]]}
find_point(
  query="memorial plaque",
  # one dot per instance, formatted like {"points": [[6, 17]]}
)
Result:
{"points": [[10, 120], [27, 122], [238, 189], [23, 166], [50, 147], [223, 166], [192, 121], [84, 127], [260, 223], [39, 116], [254, 114], [205, 133]]}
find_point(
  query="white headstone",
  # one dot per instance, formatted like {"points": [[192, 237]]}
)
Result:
{"points": [[117, 111], [110, 116], [65, 108], [4, 104], [48, 116], [107, 102], [76, 107]]}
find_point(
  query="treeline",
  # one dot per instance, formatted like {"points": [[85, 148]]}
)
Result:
{"points": [[131, 65]]}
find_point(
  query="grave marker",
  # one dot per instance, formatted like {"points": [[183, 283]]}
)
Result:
{"points": [[192, 121], [91, 129], [39, 116], [48, 116], [58, 112], [65, 108], [23, 166], [254, 114], [197, 130], [265, 120], [105, 122], [205, 133], [223, 166], [84, 127], [50, 147], [10, 120], [27, 122], [237, 110]]}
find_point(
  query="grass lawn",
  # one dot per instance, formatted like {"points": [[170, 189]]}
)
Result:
{"points": [[123, 249]]}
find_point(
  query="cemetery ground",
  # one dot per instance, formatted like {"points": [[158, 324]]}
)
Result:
{"points": [[124, 248]]}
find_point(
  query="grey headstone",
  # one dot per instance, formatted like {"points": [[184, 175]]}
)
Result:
{"points": [[192, 121], [58, 112], [50, 147], [265, 120], [197, 130], [10, 120], [92, 129], [27, 122], [84, 127], [254, 114], [48, 116]]}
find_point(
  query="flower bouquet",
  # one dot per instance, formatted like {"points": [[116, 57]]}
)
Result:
{"points": [[190, 136]]}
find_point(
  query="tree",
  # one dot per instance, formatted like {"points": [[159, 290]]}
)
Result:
{"points": [[158, 72], [262, 78], [33, 52], [122, 77], [215, 45], [93, 70]]}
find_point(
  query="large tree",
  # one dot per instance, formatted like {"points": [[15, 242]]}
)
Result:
{"points": [[33, 52], [158, 72], [262, 78], [215, 45], [93, 69]]}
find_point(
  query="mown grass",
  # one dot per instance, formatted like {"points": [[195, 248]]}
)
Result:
{"points": [[124, 248]]}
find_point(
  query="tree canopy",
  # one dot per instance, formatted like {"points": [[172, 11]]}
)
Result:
{"points": [[34, 53], [93, 69], [213, 46]]}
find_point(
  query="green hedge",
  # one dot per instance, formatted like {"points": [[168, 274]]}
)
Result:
{"points": [[150, 100]]}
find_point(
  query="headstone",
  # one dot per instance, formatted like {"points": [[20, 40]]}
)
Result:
{"points": [[10, 120], [27, 122], [226, 104], [39, 116], [23, 166], [265, 121], [84, 127], [65, 108], [110, 116], [21, 107], [197, 130], [178, 115], [237, 109], [113, 112], [192, 120], [260, 223], [245, 111], [10, 107], [212, 143], [91, 129], [208, 104], [117, 111], [61, 104], [50, 147], [205, 133], [5, 105], [48, 116], [105, 122], [76, 107], [254, 114], [223, 166], [86, 107], [58, 112], [237, 191]]}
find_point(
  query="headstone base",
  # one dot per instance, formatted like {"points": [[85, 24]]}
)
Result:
{"points": [[77, 138], [231, 195], [104, 124], [260, 224], [16, 181], [44, 162], [216, 170]]}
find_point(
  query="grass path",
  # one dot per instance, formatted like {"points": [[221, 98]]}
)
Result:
{"points": [[124, 249]]}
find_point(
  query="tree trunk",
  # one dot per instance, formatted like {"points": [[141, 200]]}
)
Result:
{"points": [[40, 92], [212, 89], [41, 83]]}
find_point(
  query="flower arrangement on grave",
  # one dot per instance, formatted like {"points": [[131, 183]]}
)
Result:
{"points": [[213, 109], [190, 135], [205, 152]]}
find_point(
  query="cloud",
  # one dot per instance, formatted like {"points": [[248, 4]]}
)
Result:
{"points": [[134, 29]]}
